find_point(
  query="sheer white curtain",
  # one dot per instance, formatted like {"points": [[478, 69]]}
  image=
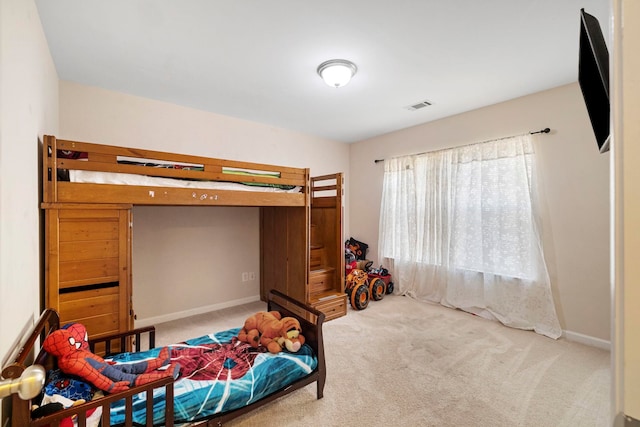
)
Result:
{"points": [[458, 227]]}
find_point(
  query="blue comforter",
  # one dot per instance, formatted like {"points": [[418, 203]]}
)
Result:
{"points": [[217, 374]]}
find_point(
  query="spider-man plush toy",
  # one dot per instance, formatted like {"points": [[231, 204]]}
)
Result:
{"points": [[71, 347]]}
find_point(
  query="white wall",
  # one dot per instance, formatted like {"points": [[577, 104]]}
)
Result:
{"points": [[574, 183], [626, 208], [187, 259], [28, 109]]}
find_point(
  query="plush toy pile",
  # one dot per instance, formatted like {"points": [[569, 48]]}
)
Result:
{"points": [[271, 330]]}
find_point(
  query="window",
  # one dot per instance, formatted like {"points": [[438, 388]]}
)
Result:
{"points": [[459, 227]]}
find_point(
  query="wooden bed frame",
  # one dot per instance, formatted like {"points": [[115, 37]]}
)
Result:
{"points": [[310, 319], [104, 158]]}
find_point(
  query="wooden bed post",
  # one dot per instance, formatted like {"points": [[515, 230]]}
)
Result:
{"points": [[49, 174]]}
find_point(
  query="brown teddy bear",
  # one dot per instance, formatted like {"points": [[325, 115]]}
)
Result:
{"points": [[271, 330]]}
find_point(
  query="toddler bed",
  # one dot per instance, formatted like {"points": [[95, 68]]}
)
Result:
{"points": [[220, 378]]}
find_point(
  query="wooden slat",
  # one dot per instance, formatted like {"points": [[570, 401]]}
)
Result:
{"points": [[141, 195], [84, 272], [103, 158], [324, 202], [214, 173], [151, 155], [324, 187], [91, 293], [51, 259], [47, 184], [90, 147], [86, 207], [79, 212], [93, 310], [77, 305], [125, 310], [106, 323], [74, 230], [94, 249]]}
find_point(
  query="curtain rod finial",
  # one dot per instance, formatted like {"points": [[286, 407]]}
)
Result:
{"points": [[545, 130]]}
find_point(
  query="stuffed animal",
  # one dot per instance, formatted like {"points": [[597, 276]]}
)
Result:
{"points": [[74, 358], [272, 331]]}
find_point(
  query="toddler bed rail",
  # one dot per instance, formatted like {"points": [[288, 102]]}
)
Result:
{"points": [[49, 322]]}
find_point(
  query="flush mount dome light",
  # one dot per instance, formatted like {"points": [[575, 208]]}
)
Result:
{"points": [[337, 72]]}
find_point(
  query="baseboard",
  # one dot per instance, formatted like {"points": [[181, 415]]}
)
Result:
{"points": [[587, 340], [149, 321]]}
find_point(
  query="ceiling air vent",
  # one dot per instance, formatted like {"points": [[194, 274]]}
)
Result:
{"points": [[418, 106]]}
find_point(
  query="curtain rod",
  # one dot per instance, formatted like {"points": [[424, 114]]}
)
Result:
{"points": [[545, 130]]}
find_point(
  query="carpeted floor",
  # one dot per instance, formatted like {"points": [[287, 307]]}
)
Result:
{"points": [[403, 362]]}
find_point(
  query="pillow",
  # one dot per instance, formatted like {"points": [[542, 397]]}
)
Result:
{"points": [[67, 386]]}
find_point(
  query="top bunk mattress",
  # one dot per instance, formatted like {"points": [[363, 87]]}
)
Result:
{"points": [[115, 178]]}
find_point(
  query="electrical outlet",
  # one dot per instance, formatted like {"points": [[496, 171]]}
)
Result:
{"points": [[252, 275], [245, 276]]}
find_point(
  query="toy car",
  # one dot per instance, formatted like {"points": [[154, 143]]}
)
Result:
{"points": [[357, 289], [382, 274], [361, 289]]}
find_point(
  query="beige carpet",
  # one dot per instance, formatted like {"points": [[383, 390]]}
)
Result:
{"points": [[402, 362]]}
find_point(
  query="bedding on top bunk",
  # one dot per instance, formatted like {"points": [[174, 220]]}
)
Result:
{"points": [[95, 177], [145, 180], [218, 373]]}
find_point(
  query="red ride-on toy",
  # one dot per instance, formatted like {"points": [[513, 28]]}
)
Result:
{"points": [[382, 274]]}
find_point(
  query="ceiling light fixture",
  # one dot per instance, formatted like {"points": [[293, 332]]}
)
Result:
{"points": [[337, 72]]}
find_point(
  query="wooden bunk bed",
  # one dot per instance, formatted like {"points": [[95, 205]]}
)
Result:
{"points": [[154, 398], [88, 265], [88, 193]]}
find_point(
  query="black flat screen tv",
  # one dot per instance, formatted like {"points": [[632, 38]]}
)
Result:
{"points": [[593, 77]]}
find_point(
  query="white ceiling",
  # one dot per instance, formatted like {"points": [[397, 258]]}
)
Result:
{"points": [[257, 59]]}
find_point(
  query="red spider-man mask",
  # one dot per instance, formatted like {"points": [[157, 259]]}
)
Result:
{"points": [[79, 333], [60, 343]]}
